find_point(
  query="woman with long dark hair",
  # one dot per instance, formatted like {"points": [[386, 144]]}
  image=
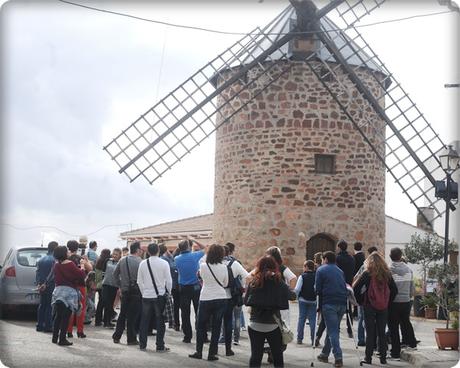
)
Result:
{"points": [[100, 268], [65, 298], [213, 300], [267, 295], [375, 289]]}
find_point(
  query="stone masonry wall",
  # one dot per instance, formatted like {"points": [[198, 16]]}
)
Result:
{"points": [[266, 188]]}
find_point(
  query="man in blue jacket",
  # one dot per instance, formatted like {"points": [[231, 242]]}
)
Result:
{"points": [[332, 291], [44, 267]]}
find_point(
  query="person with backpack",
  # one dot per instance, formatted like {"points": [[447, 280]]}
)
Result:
{"points": [[236, 279], [305, 290], [375, 289], [213, 301]]}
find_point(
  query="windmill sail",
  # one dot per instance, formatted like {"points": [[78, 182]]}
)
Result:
{"points": [[178, 123], [412, 146]]}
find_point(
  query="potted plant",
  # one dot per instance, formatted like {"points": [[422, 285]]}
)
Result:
{"points": [[429, 303], [446, 294]]}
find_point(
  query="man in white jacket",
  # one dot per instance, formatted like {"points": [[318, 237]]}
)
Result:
{"points": [[154, 280]]}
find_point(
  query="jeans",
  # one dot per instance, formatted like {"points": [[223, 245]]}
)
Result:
{"points": [[228, 324], [332, 315], [129, 315], [61, 320], [306, 310], [399, 315], [79, 319], [44, 318], [237, 313], [275, 342], [242, 320], [375, 322], [361, 331], [188, 294], [210, 312], [157, 305]]}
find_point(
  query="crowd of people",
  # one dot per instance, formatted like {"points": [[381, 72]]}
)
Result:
{"points": [[159, 288]]}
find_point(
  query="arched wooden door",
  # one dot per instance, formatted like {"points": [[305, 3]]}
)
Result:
{"points": [[319, 243]]}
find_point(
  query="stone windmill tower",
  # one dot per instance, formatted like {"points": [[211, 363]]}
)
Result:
{"points": [[307, 121]]}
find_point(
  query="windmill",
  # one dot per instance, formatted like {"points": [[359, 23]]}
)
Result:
{"points": [[307, 120]]}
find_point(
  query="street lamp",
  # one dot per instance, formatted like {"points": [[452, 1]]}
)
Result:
{"points": [[448, 191]]}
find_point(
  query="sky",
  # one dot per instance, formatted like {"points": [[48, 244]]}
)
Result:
{"points": [[73, 78]]}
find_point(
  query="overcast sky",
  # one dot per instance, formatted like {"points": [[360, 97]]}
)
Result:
{"points": [[73, 78]]}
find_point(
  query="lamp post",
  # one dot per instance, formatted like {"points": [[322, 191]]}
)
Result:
{"points": [[450, 161]]}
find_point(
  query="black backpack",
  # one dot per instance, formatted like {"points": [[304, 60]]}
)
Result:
{"points": [[235, 287]]}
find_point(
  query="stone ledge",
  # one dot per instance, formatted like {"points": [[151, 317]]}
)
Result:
{"points": [[431, 356]]}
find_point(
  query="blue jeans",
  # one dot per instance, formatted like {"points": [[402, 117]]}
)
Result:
{"points": [[157, 306], [237, 313], [44, 319], [332, 315], [306, 310], [361, 332]]}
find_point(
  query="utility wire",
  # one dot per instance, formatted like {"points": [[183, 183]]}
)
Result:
{"points": [[242, 33], [58, 229]]}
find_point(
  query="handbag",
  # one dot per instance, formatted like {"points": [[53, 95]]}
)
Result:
{"points": [[133, 288], [286, 334]]}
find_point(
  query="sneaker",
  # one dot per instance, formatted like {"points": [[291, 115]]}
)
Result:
{"points": [[395, 358], [243, 328], [142, 348], [229, 352], [236, 343], [212, 358], [360, 343], [323, 358], [65, 343], [69, 335], [135, 342], [338, 363], [410, 348], [299, 342], [365, 361], [163, 350]]}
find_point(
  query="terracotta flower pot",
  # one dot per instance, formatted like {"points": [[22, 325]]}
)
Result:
{"points": [[446, 338], [430, 313]]}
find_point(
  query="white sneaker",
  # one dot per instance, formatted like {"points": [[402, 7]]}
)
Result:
{"points": [[236, 342], [410, 349], [243, 328]]}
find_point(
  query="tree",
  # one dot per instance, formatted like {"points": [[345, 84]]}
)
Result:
{"points": [[424, 251], [446, 291]]}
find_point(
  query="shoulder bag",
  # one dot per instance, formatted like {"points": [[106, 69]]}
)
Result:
{"points": [[286, 334]]}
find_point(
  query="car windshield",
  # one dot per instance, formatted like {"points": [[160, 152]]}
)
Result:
{"points": [[30, 257]]}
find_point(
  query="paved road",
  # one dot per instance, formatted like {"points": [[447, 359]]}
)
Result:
{"points": [[22, 346]]}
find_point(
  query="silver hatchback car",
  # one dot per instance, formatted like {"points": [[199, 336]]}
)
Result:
{"points": [[17, 277]]}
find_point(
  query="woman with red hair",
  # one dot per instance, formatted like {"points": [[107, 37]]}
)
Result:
{"points": [[267, 294]]}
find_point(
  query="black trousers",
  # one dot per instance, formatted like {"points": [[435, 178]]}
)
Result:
{"points": [[228, 324], [399, 315], [275, 342], [129, 315], [188, 294], [210, 312], [375, 322], [176, 300], [108, 297], [99, 307], [321, 328], [61, 321]]}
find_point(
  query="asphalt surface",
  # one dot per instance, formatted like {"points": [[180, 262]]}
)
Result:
{"points": [[22, 346]]}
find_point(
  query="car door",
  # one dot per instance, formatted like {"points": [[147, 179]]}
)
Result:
{"points": [[26, 267]]}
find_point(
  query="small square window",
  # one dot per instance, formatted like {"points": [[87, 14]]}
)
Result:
{"points": [[325, 164]]}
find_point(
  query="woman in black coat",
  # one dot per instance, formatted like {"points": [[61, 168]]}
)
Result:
{"points": [[267, 294]]}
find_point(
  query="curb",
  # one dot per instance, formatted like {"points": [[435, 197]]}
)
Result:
{"points": [[418, 360]]}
